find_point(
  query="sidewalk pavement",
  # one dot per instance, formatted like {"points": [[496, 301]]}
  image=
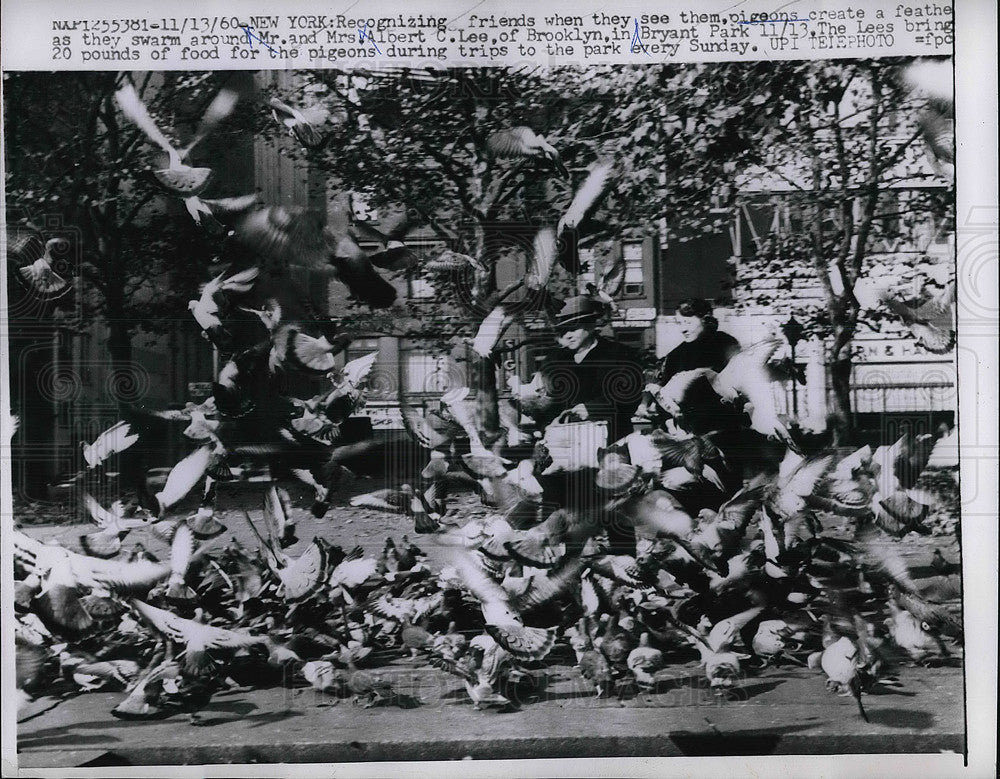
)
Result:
{"points": [[783, 710]]}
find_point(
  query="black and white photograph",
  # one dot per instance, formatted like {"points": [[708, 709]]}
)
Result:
{"points": [[483, 413]]}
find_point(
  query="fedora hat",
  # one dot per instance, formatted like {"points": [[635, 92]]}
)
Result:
{"points": [[580, 311]]}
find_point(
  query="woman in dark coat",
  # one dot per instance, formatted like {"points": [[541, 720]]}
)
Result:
{"points": [[704, 345]]}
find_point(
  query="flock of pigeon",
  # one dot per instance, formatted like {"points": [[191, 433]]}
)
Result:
{"points": [[762, 576], [739, 569]]}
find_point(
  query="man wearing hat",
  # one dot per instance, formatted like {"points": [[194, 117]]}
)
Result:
{"points": [[594, 377]]}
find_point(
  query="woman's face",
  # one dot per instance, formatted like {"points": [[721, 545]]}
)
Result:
{"points": [[574, 339], [691, 327]]}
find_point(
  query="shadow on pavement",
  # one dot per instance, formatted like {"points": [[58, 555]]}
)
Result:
{"points": [[708, 744], [902, 718]]}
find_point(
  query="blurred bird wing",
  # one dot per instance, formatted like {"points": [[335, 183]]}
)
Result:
{"points": [[185, 475], [658, 511], [746, 373], [801, 482], [28, 661], [292, 234], [675, 391], [317, 354], [513, 142], [137, 113], [284, 108], [883, 554], [724, 631], [118, 575], [357, 370], [222, 106], [174, 415], [545, 587], [275, 514], [490, 330], [198, 634], [944, 302], [117, 438], [352, 573], [585, 201], [181, 550], [423, 432], [613, 276], [737, 512], [932, 78], [100, 515], [239, 282], [230, 206], [886, 460], [490, 594], [451, 260], [315, 114], [543, 255], [392, 608], [460, 668], [852, 463], [306, 574], [771, 547], [170, 625]]}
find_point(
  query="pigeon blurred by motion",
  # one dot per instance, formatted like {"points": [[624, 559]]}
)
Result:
{"points": [[932, 322], [525, 143], [503, 623], [115, 439], [302, 123], [299, 577], [39, 275], [206, 308], [177, 178], [114, 526]]}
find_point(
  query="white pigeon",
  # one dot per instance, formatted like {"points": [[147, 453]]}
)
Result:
{"points": [[182, 478], [113, 526], [178, 178], [39, 274], [206, 310], [115, 439], [503, 622]]}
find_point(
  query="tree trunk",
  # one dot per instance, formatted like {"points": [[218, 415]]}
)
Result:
{"points": [[122, 386], [484, 382], [483, 370], [841, 366]]}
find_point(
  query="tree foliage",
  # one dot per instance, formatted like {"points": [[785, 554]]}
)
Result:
{"points": [[836, 146], [72, 156]]}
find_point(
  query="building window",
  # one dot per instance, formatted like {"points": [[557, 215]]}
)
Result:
{"points": [[427, 373], [359, 347], [630, 337], [632, 254]]}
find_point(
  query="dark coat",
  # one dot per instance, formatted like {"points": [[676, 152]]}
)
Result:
{"points": [[609, 381], [710, 350]]}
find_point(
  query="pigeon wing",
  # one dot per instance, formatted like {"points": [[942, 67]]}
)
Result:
{"points": [[515, 142], [222, 106], [184, 476], [305, 575], [137, 113], [586, 199]]}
